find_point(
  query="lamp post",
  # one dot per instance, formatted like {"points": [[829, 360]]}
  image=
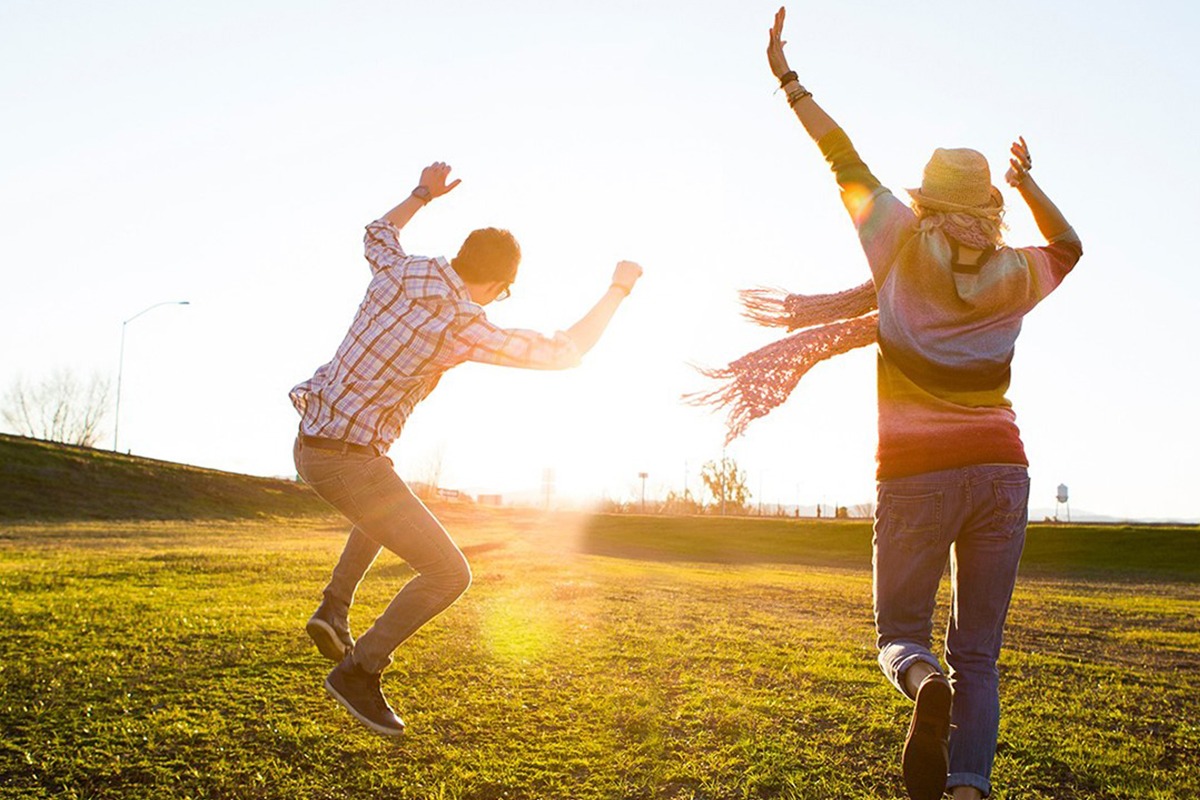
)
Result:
{"points": [[121, 362]]}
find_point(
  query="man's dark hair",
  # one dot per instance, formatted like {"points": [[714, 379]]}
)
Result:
{"points": [[488, 254]]}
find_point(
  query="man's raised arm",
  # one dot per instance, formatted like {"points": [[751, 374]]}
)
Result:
{"points": [[587, 331], [432, 184], [511, 347]]}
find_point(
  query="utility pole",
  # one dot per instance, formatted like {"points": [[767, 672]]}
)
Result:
{"points": [[121, 364], [547, 486], [721, 482]]}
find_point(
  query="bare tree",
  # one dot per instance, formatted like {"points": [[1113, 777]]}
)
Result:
{"points": [[862, 510], [677, 503], [726, 483], [428, 474], [59, 408]]}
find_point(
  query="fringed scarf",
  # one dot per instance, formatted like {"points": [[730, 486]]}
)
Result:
{"points": [[828, 325]]}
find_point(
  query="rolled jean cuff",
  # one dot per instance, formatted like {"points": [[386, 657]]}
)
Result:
{"points": [[907, 662], [335, 603], [897, 657], [969, 779], [373, 663]]}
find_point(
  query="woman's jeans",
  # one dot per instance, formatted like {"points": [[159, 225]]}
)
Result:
{"points": [[976, 516], [385, 512]]}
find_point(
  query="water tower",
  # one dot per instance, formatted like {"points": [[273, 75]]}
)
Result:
{"points": [[1062, 499], [547, 486]]}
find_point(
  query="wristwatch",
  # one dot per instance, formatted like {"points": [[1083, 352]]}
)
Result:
{"points": [[422, 193]]}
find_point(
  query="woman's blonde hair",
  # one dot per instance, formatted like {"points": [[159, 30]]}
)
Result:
{"points": [[981, 230]]}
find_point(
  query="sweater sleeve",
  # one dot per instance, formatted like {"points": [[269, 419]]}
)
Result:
{"points": [[883, 221], [1049, 265], [847, 165]]}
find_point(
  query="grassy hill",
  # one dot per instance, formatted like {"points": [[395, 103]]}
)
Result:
{"points": [[1170, 552], [49, 481], [54, 482]]}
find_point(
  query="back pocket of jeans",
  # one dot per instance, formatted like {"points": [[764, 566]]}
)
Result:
{"points": [[1012, 504], [912, 520]]}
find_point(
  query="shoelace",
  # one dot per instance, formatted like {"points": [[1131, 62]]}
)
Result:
{"points": [[377, 697]]}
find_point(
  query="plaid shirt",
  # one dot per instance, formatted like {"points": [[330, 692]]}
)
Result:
{"points": [[416, 321]]}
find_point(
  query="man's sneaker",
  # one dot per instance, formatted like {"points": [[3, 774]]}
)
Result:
{"points": [[926, 758], [330, 633], [358, 690]]}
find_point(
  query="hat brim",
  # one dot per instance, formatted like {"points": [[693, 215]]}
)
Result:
{"points": [[935, 204]]}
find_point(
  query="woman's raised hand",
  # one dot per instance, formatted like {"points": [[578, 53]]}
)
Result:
{"points": [[1019, 164], [775, 56]]}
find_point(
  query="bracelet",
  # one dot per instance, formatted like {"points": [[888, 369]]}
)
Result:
{"points": [[796, 97], [622, 287], [423, 194], [787, 78]]}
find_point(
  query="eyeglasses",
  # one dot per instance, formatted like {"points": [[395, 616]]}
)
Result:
{"points": [[505, 293]]}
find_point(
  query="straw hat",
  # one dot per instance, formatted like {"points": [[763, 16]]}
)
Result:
{"points": [[958, 180]]}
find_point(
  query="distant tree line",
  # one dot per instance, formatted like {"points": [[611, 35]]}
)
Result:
{"points": [[59, 408], [726, 492]]}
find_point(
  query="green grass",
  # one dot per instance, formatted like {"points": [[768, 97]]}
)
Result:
{"points": [[594, 657], [49, 481], [1158, 552]]}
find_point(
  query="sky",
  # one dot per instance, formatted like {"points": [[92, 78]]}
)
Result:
{"points": [[230, 153]]}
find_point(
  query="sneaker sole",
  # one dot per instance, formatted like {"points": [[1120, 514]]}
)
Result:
{"points": [[326, 639], [375, 726], [925, 759]]}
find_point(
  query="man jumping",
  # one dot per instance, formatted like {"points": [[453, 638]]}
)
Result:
{"points": [[420, 317]]}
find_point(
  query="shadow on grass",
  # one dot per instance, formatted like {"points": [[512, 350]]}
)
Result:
{"points": [[729, 540], [1124, 552], [400, 569], [482, 547]]}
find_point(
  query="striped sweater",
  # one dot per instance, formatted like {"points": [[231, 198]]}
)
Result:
{"points": [[946, 335]]}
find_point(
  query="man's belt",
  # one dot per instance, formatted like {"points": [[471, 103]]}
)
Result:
{"points": [[321, 443]]}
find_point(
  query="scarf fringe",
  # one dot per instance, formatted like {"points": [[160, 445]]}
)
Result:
{"points": [[759, 381], [776, 308]]}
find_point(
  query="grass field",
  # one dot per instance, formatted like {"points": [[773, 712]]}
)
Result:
{"points": [[42, 480], [594, 657]]}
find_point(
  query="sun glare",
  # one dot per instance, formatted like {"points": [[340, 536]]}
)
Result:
{"points": [[514, 627]]}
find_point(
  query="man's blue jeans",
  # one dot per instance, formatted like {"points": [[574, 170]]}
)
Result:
{"points": [[976, 517], [385, 513]]}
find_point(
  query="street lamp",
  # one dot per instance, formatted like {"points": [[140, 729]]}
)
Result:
{"points": [[121, 361]]}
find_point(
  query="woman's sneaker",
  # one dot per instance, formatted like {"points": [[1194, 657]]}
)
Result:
{"points": [[330, 633], [926, 758], [358, 690]]}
